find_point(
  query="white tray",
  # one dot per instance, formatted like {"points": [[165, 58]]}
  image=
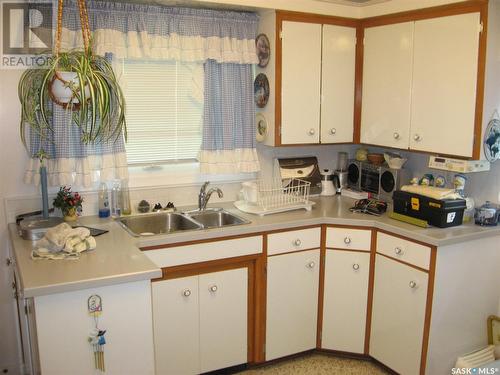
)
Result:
{"points": [[257, 210]]}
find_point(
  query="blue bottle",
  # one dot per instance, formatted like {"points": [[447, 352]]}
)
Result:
{"points": [[103, 201]]}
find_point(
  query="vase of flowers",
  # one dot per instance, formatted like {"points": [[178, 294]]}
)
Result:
{"points": [[69, 203]]}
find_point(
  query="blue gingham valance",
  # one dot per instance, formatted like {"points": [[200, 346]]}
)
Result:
{"points": [[130, 30]]}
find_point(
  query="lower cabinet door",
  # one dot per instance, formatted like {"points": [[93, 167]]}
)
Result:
{"points": [[223, 319], [345, 300], [292, 303], [398, 316], [176, 326]]}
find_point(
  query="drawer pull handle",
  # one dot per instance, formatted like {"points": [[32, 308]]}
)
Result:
{"points": [[333, 131], [355, 266], [312, 131], [213, 288], [396, 135], [417, 138], [8, 261], [413, 284], [186, 292], [398, 251], [347, 240], [311, 264], [297, 242]]}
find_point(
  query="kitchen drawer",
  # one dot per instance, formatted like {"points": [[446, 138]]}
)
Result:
{"points": [[206, 251], [293, 240], [404, 250], [349, 238]]}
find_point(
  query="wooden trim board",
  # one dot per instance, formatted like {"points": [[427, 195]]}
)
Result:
{"points": [[369, 302], [281, 16], [257, 287], [321, 288], [428, 310], [469, 6]]}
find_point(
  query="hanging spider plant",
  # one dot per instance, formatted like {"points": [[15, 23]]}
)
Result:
{"points": [[79, 81]]}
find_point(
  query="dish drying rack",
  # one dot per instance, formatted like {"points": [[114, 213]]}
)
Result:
{"points": [[278, 195]]}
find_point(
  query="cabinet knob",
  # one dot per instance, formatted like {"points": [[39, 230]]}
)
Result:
{"points": [[417, 138], [333, 131], [396, 135], [297, 242], [8, 261], [312, 131], [347, 240], [398, 251], [186, 292], [213, 288], [355, 266], [311, 264], [412, 284]]}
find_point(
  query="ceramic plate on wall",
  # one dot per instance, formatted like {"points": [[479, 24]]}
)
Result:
{"points": [[261, 90], [492, 141], [261, 127], [263, 49]]}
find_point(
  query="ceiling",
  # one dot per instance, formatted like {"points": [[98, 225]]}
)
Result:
{"points": [[209, 4], [359, 3]]}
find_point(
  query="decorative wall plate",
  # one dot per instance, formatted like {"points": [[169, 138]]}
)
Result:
{"points": [[261, 127], [263, 49], [492, 140], [261, 90]]}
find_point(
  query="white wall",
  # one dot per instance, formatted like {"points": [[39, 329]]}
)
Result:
{"points": [[12, 158]]}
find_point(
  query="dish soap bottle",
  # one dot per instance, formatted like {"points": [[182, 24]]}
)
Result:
{"points": [[103, 201]]}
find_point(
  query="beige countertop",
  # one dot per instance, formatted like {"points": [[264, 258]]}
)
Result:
{"points": [[329, 210], [117, 258]]}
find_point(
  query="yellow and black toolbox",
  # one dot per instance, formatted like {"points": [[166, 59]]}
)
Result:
{"points": [[442, 213]]}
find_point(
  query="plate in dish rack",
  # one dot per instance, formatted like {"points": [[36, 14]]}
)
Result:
{"points": [[258, 210]]}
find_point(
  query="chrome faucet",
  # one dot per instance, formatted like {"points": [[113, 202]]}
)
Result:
{"points": [[204, 195]]}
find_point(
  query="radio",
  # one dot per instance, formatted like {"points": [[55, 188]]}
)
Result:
{"points": [[378, 180]]}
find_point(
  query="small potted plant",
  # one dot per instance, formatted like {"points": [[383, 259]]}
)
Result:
{"points": [[69, 203]]}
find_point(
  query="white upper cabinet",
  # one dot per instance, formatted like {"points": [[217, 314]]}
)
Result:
{"points": [[337, 83], [387, 78], [419, 84], [301, 80], [444, 84]]}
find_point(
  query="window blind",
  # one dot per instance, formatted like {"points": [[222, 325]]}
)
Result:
{"points": [[164, 113]]}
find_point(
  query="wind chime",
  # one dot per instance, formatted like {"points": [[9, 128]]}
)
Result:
{"points": [[96, 337]]}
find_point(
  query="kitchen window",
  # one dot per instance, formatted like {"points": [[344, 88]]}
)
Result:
{"points": [[164, 111]]}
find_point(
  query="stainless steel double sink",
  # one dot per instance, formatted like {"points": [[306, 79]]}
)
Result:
{"points": [[173, 222]]}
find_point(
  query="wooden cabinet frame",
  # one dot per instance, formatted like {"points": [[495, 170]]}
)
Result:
{"points": [[306, 18], [257, 286], [470, 6]]}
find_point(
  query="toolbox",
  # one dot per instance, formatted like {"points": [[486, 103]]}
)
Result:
{"points": [[442, 213]]}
